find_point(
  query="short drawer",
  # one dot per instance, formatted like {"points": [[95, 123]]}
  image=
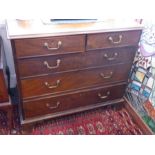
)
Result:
{"points": [[49, 46], [58, 83], [52, 105], [113, 39], [63, 63]]}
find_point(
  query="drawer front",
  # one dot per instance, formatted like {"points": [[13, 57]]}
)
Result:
{"points": [[39, 86], [113, 39], [58, 104], [49, 46], [60, 63]]}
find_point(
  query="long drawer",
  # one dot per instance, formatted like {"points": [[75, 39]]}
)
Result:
{"points": [[60, 63], [113, 39], [49, 45], [51, 105], [57, 83]]}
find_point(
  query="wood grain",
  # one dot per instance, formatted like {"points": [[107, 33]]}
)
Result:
{"points": [[35, 47], [3, 90], [73, 62], [91, 67], [72, 81], [101, 40], [72, 101]]}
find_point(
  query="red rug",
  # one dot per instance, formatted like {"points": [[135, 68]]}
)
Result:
{"points": [[111, 120]]}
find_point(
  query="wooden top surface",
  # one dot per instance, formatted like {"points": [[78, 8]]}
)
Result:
{"points": [[36, 28]]}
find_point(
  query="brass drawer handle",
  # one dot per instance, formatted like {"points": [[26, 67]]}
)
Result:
{"points": [[52, 67], [106, 76], [59, 44], [116, 42], [105, 96], [111, 58], [53, 107], [50, 86]]}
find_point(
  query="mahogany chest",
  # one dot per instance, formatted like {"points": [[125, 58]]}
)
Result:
{"points": [[64, 74]]}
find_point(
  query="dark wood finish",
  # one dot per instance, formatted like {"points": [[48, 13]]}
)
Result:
{"points": [[72, 62], [35, 47], [83, 59], [61, 103], [33, 87], [101, 40], [137, 118], [5, 102], [33, 120], [3, 90], [26, 128]]}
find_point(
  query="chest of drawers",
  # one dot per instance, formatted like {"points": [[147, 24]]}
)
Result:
{"points": [[60, 75]]}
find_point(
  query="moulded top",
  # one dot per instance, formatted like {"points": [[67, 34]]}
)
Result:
{"points": [[33, 28]]}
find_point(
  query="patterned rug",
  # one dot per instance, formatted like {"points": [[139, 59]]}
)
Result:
{"points": [[3, 124], [110, 120], [4, 130]]}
